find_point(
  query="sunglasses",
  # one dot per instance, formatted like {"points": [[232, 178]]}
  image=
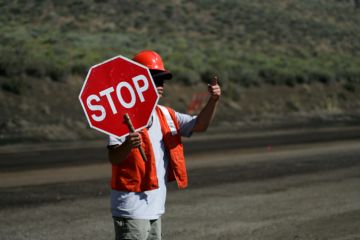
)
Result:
{"points": [[159, 82], [159, 76]]}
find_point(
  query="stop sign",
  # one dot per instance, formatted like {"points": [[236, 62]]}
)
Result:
{"points": [[114, 88]]}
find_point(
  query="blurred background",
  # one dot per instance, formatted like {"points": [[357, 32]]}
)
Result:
{"points": [[280, 62], [281, 160]]}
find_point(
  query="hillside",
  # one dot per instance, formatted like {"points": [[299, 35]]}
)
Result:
{"points": [[277, 60]]}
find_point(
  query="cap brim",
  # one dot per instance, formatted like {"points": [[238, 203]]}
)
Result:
{"points": [[161, 75]]}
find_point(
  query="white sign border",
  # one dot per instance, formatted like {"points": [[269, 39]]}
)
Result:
{"points": [[84, 84]]}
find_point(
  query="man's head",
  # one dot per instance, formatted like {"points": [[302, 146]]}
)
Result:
{"points": [[153, 61]]}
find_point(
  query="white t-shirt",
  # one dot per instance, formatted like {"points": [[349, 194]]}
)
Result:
{"points": [[149, 204]]}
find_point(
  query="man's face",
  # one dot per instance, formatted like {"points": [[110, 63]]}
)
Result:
{"points": [[159, 86]]}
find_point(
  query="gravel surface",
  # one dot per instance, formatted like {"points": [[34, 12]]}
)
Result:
{"points": [[301, 192]]}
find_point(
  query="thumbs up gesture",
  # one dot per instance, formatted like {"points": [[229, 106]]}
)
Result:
{"points": [[214, 89]]}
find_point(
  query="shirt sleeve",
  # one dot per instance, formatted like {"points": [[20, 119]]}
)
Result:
{"points": [[115, 141], [186, 123]]}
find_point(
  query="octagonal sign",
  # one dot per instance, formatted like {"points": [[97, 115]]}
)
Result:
{"points": [[114, 88]]}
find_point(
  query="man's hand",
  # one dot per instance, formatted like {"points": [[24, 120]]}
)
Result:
{"points": [[207, 113], [118, 153], [214, 89], [134, 140]]}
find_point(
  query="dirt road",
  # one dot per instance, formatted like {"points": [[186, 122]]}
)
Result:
{"points": [[309, 191]]}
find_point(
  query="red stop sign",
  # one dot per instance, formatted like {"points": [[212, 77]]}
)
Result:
{"points": [[114, 88]]}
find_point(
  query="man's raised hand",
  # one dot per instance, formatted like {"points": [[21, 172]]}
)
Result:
{"points": [[214, 89]]}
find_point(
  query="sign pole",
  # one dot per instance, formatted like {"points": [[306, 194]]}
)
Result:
{"points": [[131, 127]]}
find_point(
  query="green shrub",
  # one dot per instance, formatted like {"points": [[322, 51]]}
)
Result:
{"points": [[14, 85], [246, 42], [186, 76]]}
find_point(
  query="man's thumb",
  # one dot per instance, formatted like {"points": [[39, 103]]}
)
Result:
{"points": [[214, 80]]}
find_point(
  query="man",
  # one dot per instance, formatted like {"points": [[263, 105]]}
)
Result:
{"points": [[139, 187]]}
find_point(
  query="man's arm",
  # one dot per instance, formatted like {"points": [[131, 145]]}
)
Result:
{"points": [[207, 113], [118, 153]]}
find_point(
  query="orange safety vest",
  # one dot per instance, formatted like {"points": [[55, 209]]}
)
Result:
{"points": [[134, 175]]}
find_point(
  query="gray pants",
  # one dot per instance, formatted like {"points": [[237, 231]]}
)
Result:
{"points": [[137, 229]]}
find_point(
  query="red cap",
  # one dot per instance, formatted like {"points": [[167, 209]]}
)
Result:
{"points": [[153, 61], [150, 59]]}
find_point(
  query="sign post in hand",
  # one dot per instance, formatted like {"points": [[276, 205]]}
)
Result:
{"points": [[131, 127], [117, 88]]}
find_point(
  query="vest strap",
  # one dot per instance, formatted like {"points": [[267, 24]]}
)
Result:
{"points": [[169, 120]]}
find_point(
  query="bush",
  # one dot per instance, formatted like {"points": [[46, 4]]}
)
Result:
{"points": [[349, 87], [14, 85], [12, 60], [231, 91], [186, 76], [207, 76]]}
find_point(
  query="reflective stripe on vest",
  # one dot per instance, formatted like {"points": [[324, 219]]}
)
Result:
{"points": [[169, 120]]}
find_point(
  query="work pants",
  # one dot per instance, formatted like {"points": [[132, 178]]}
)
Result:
{"points": [[137, 229]]}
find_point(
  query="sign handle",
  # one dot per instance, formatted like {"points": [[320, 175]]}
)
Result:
{"points": [[131, 127]]}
